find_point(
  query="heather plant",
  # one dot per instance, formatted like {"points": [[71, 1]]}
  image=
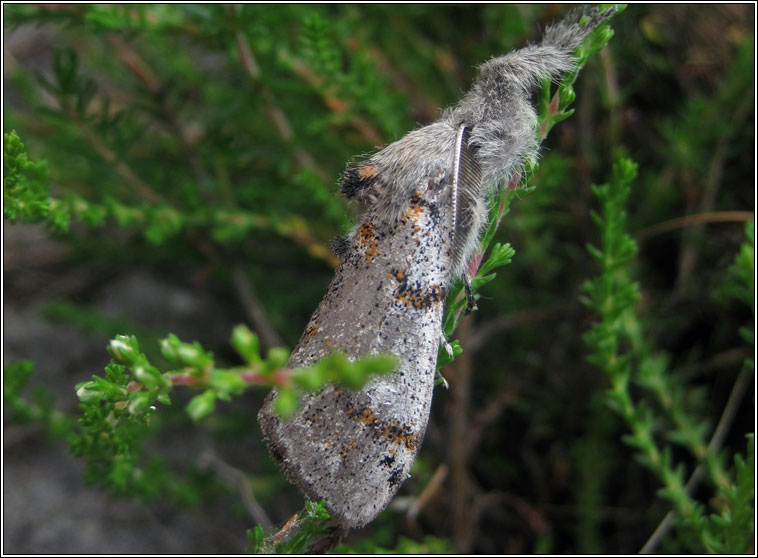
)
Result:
{"points": [[666, 412], [211, 137]]}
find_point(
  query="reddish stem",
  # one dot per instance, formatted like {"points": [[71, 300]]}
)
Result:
{"points": [[278, 378], [184, 380]]}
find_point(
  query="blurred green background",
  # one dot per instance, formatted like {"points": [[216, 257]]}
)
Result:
{"points": [[196, 151]]}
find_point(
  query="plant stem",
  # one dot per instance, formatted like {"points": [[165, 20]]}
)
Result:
{"points": [[717, 440], [275, 114], [691, 220], [254, 309], [110, 157]]}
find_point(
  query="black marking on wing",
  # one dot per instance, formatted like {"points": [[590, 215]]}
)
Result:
{"points": [[340, 247], [358, 180]]}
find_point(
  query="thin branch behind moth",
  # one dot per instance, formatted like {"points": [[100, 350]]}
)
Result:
{"points": [[424, 200]]}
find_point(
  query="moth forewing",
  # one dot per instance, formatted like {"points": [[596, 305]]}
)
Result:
{"points": [[354, 448]]}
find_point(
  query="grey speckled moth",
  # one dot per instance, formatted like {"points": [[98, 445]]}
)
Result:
{"points": [[424, 205]]}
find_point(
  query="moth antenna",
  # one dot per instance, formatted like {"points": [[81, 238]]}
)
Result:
{"points": [[467, 206]]}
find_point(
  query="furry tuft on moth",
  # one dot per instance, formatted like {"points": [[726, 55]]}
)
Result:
{"points": [[424, 204]]}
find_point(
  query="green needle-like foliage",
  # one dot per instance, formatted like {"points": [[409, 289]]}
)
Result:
{"points": [[297, 537], [615, 344]]}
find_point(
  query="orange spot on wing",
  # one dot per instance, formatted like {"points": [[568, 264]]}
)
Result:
{"points": [[367, 416], [367, 171], [367, 240], [400, 435], [312, 331]]}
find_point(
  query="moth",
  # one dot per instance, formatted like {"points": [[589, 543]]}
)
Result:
{"points": [[424, 204]]}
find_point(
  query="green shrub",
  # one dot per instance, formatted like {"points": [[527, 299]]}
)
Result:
{"points": [[206, 137]]}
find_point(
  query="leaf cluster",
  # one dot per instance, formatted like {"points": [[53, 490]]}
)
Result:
{"points": [[122, 402], [298, 535], [36, 408]]}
